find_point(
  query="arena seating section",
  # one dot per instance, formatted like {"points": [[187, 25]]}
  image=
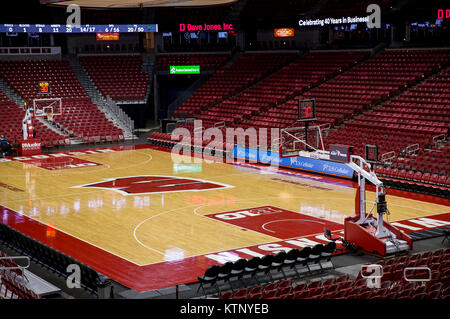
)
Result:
{"points": [[425, 171], [296, 78], [117, 76], [11, 124], [416, 117], [374, 81], [392, 286], [229, 81], [80, 118]]}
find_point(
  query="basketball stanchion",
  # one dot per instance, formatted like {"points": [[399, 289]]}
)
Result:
{"points": [[386, 239]]}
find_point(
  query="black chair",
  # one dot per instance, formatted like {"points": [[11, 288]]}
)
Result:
{"points": [[446, 234], [224, 273], [237, 271], [303, 258], [210, 277], [328, 250], [251, 268], [316, 255], [291, 259], [265, 265], [278, 262]]}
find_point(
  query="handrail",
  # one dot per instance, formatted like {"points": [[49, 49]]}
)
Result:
{"points": [[201, 128], [13, 267], [219, 124], [122, 116], [386, 156], [438, 138], [412, 148]]}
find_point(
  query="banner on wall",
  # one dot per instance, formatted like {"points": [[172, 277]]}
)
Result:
{"points": [[283, 33], [298, 162], [107, 36]]}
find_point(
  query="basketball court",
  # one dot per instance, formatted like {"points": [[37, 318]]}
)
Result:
{"points": [[139, 218]]}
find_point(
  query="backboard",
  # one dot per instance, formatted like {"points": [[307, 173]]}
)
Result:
{"points": [[47, 107]]}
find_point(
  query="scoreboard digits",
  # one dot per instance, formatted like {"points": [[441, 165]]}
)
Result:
{"points": [[306, 110], [93, 28], [44, 87]]}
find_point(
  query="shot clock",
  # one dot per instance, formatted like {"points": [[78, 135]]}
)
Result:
{"points": [[306, 110], [44, 87]]}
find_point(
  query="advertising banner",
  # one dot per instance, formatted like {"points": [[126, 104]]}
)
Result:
{"points": [[30, 147], [184, 69], [298, 162], [283, 33], [340, 153]]}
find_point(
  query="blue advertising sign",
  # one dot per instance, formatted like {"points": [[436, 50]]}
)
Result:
{"points": [[298, 162]]}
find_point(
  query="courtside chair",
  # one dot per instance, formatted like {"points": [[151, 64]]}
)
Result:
{"points": [[328, 250], [278, 262], [251, 268], [210, 277], [303, 258], [237, 271], [291, 259], [224, 273], [316, 255], [265, 265]]}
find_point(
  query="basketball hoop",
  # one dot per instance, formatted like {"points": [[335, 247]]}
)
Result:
{"points": [[47, 107], [294, 140]]}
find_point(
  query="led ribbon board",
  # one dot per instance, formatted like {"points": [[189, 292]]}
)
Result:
{"points": [[86, 28]]}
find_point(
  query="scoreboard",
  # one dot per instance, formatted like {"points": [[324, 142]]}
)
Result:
{"points": [[86, 28]]}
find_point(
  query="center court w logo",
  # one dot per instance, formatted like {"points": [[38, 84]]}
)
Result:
{"points": [[153, 184]]}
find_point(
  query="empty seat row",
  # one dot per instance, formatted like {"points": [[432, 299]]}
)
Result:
{"points": [[118, 76]]}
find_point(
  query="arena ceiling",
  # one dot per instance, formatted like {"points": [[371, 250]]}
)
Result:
{"points": [[138, 3]]}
